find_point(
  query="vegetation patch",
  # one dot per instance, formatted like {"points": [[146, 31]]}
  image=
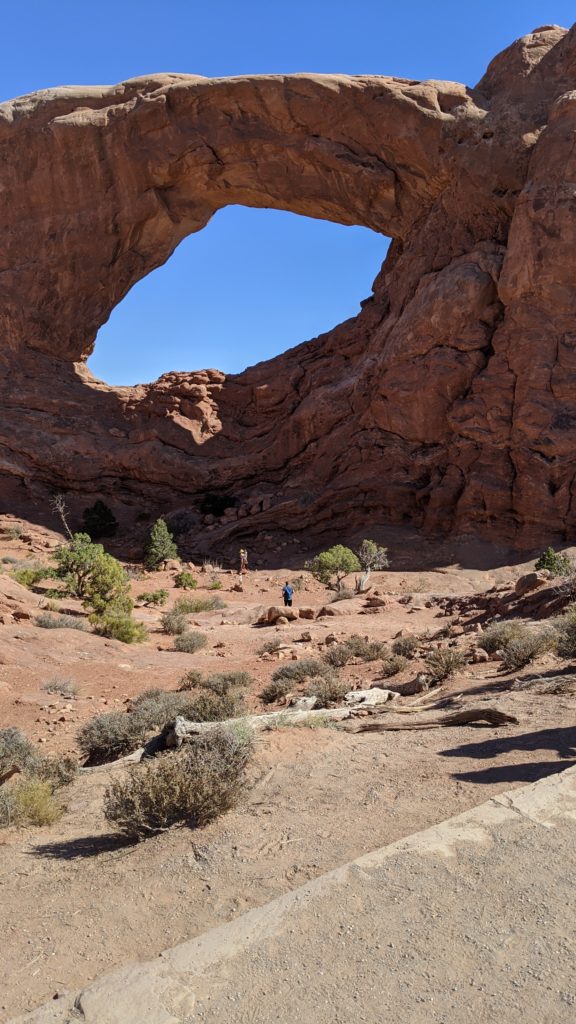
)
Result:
{"points": [[393, 665], [49, 621], [444, 663], [189, 788], [406, 646], [190, 641]]}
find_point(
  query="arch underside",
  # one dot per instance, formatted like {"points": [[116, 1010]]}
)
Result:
{"points": [[448, 402]]}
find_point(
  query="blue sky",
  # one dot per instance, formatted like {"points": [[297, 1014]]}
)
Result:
{"points": [[253, 282]]}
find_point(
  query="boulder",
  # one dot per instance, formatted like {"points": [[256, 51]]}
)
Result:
{"points": [[531, 581], [375, 695]]}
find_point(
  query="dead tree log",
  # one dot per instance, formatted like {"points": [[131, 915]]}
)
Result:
{"points": [[489, 715]]}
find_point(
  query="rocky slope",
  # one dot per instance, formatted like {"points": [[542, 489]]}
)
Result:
{"points": [[448, 402]]}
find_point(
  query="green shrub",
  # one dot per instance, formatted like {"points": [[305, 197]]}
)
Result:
{"points": [[406, 646], [29, 801], [118, 626], [174, 622], [160, 546], [190, 788], [64, 687], [15, 532], [327, 689], [195, 605], [497, 636], [332, 566], [154, 597], [556, 563], [99, 521], [393, 665], [93, 576], [354, 647], [185, 581], [30, 577], [526, 646], [216, 585], [49, 621], [190, 641], [444, 663], [56, 771]]}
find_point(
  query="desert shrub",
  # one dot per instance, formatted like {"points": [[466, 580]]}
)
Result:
{"points": [[31, 576], [190, 641], [327, 689], [109, 736], [393, 665], [90, 574], [372, 557], [189, 788], [526, 646], [354, 647], [151, 693], [57, 771], [191, 680], [154, 711], [49, 621], [406, 646], [270, 646], [185, 581], [216, 585], [298, 583], [118, 626], [342, 594], [275, 690], [29, 801], [565, 627], [160, 545], [9, 560], [330, 567], [222, 683], [16, 751], [444, 662], [296, 672], [154, 597], [497, 636], [556, 563], [174, 622], [99, 521], [15, 532], [194, 605], [64, 687]]}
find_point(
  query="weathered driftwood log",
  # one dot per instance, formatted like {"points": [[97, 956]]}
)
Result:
{"points": [[490, 715], [176, 732]]}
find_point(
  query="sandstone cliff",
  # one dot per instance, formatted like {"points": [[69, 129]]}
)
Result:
{"points": [[449, 402]]}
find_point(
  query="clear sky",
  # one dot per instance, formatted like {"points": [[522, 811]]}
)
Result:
{"points": [[253, 282]]}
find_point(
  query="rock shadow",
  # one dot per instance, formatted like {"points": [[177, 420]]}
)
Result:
{"points": [[528, 771], [85, 846]]}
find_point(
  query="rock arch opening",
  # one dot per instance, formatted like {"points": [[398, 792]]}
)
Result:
{"points": [[252, 284]]}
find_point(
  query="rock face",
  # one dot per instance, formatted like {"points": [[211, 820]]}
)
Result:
{"points": [[448, 402]]}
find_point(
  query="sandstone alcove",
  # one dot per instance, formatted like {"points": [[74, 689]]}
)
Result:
{"points": [[448, 402]]}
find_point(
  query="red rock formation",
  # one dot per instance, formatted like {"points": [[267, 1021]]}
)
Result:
{"points": [[448, 402]]}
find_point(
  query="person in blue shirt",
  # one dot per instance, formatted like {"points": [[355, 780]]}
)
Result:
{"points": [[287, 594]]}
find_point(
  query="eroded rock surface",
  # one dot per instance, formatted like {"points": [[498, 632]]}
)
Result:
{"points": [[448, 401]]}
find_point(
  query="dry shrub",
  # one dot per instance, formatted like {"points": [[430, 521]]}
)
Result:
{"points": [[342, 594], [63, 687], [565, 628], [526, 646], [223, 683], [174, 622], [189, 788], [393, 665], [109, 736], [406, 646], [194, 605], [29, 801], [190, 641], [296, 672], [49, 621], [327, 690], [497, 636], [16, 752], [354, 647], [444, 663], [275, 690], [270, 647]]}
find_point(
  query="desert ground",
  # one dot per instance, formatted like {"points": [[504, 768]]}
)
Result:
{"points": [[79, 900]]}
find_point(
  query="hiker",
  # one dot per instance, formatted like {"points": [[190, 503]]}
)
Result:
{"points": [[287, 593], [243, 560]]}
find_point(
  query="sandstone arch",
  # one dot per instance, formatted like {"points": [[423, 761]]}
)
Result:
{"points": [[448, 401]]}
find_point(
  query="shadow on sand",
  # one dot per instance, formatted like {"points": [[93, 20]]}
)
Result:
{"points": [[85, 846], [561, 741]]}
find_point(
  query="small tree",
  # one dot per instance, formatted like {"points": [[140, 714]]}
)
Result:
{"points": [[90, 574], [99, 521], [371, 557], [332, 566], [160, 545], [556, 563]]}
